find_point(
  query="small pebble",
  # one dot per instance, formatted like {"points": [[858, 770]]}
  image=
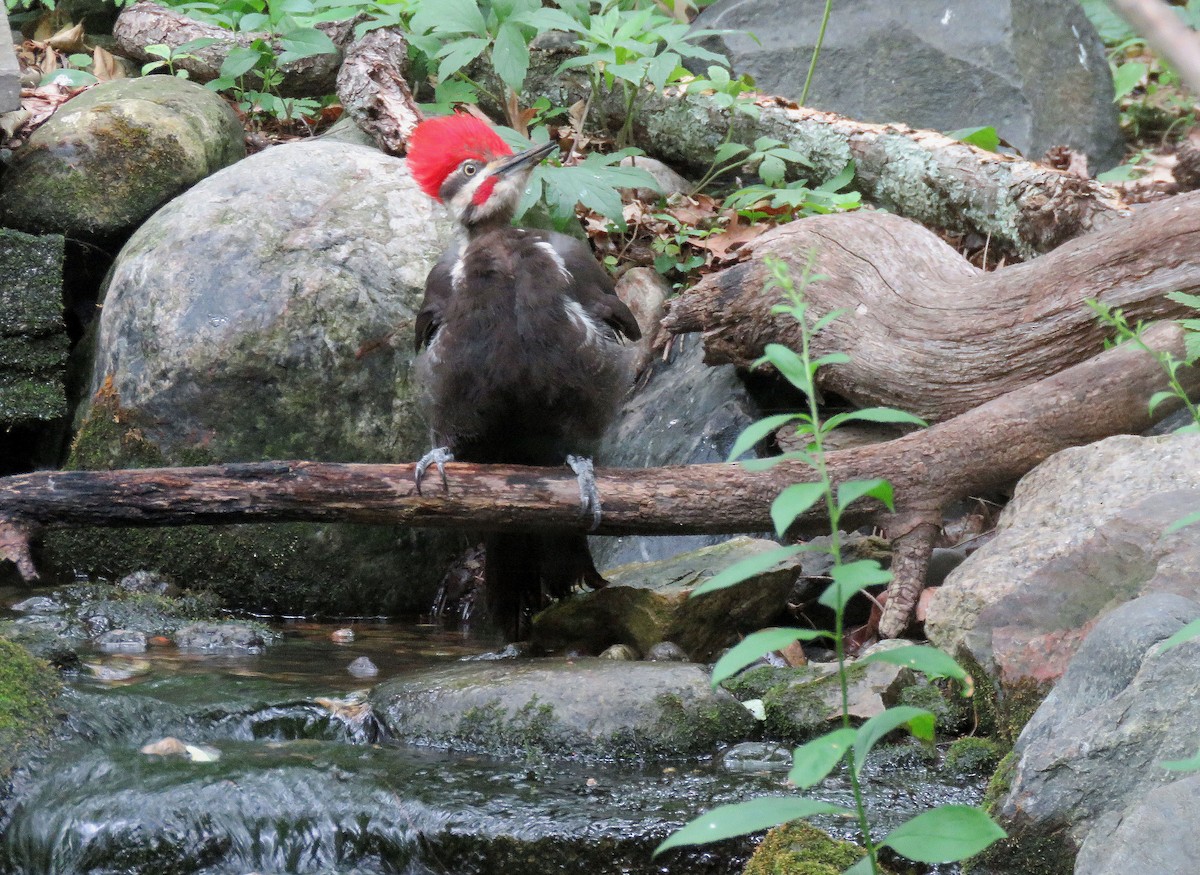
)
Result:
{"points": [[621, 653], [666, 651], [342, 636]]}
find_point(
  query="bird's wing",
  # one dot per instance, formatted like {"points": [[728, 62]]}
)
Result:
{"points": [[592, 287], [438, 289]]}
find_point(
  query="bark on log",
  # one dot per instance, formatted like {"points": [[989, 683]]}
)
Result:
{"points": [[927, 332], [146, 24], [990, 446], [923, 175], [373, 90]]}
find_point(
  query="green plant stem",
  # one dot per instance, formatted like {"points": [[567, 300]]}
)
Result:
{"points": [[812, 65], [816, 452]]}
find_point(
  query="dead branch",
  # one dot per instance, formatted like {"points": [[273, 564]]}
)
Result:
{"points": [[988, 447], [925, 331], [146, 24], [1176, 44], [372, 88]]}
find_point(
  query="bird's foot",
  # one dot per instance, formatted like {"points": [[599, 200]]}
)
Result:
{"points": [[438, 456], [589, 496]]}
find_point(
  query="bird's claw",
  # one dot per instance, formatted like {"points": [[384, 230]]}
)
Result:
{"points": [[589, 496], [438, 456]]}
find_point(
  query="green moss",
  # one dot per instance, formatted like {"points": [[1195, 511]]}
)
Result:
{"points": [[689, 729], [1000, 713], [952, 710], [27, 690], [529, 731], [999, 784], [756, 682], [974, 756], [800, 849], [1041, 849]]}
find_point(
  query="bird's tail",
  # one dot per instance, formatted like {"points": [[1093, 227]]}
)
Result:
{"points": [[522, 572]]}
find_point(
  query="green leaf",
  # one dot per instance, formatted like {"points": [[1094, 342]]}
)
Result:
{"points": [[793, 501], [852, 490], [928, 660], [789, 364], [862, 867], [944, 835], [239, 62], [1189, 632], [919, 722], [456, 55], [547, 19], [1127, 77], [1191, 764], [1186, 299], [983, 137], [876, 414], [510, 56], [772, 170], [159, 50], [837, 183], [305, 42], [193, 45], [754, 646], [1159, 397], [70, 78], [812, 762], [758, 431], [746, 568], [1181, 523], [740, 818], [449, 16], [851, 578]]}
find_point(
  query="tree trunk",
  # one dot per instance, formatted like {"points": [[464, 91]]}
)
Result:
{"points": [[925, 331], [988, 447]]}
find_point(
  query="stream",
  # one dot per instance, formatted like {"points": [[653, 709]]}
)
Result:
{"points": [[288, 770]]}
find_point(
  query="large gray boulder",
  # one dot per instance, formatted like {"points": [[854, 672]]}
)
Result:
{"points": [[267, 314], [114, 154], [1033, 69], [1083, 534], [1091, 757]]}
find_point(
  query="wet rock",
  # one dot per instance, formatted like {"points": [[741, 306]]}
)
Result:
{"points": [[757, 756], [39, 604], [646, 603], [171, 746], [118, 670], [666, 651], [1083, 534], [1033, 69], [255, 319], [620, 653], [122, 641], [363, 667], [1154, 834], [591, 708], [669, 182], [684, 412], [342, 636], [148, 582], [1091, 755], [114, 154], [645, 293], [222, 636]]}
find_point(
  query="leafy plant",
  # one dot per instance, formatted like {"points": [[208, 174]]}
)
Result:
{"points": [[169, 57], [797, 198], [944, 834]]}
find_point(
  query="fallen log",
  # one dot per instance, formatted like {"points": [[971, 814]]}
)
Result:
{"points": [[927, 332], [986, 448], [924, 175], [372, 88]]}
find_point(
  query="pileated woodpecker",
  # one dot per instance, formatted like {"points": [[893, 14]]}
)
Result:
{"points": [[523, 358]]}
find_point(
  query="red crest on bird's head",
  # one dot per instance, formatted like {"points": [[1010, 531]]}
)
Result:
{"points": [[439, 145]]}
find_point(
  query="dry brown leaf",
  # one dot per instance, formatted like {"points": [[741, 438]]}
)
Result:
{"points": [[48, 63], [69, 39], [723, 245], [105, 66]]}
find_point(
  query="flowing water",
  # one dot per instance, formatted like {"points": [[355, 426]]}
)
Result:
{"points": [[288, 771]]}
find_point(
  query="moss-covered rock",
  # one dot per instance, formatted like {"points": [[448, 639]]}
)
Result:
{"points": [[974, 756], [798, 848], [591, 708], [112, 155], [33, 338], [648, 602], [27, 690]]}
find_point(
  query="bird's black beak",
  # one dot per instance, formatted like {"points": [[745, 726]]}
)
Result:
{"points": [[525, 159]]}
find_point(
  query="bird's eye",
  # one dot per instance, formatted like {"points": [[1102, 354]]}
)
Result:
{"points": [[469, 169]]}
